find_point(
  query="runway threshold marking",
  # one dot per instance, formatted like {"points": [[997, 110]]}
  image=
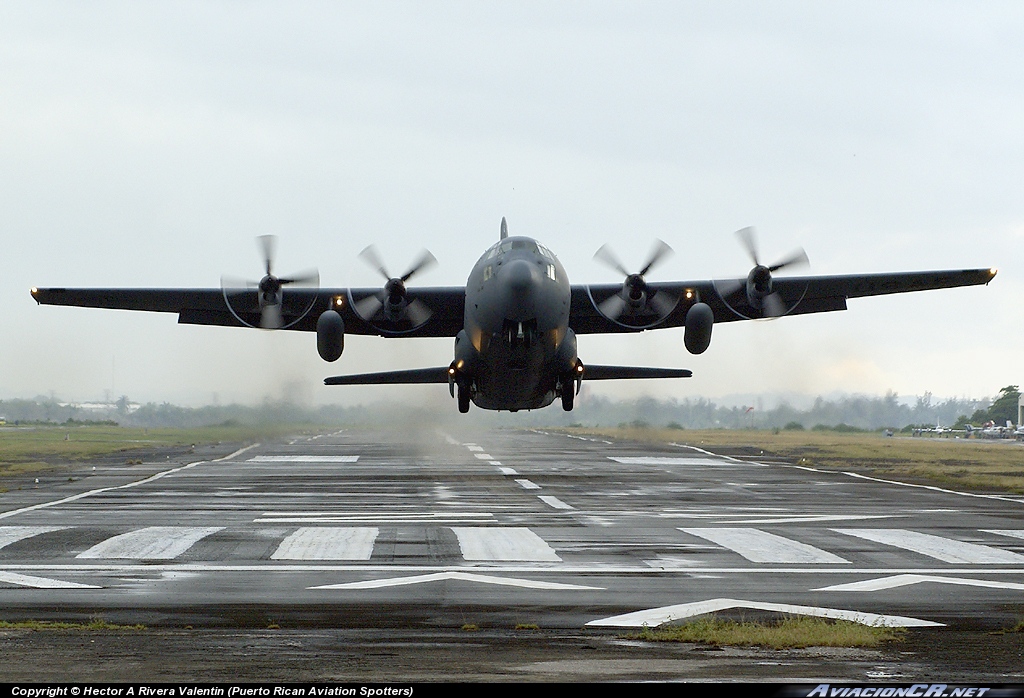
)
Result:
{"points": [[152, 543], [554, 502], [40, 582], [151, 478], [945, 549], [12, 534], [902, 580], [761, 546], [500, 544], [654, 617], [324, 543], [461, 576]]}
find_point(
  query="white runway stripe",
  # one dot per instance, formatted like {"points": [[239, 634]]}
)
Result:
{"points": [[554, 502], [12, 534], [944, 549], [153, 543], [682, 460], [303, 459], [504, 545], [761, 546], [527, 485], [328, 544]]}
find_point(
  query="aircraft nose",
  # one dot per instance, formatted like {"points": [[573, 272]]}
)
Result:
{"points": [[520, 281], [519, 275]]}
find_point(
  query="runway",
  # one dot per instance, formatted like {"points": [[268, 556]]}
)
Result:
{"points": [[433, 529]]}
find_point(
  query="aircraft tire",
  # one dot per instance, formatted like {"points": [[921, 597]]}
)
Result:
{"points": [[568, 396], [463, 394]]}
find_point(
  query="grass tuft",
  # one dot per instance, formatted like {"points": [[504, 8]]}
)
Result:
{"points": [[789, 633], [94, 624]]}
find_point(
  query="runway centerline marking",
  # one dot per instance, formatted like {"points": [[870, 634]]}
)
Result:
{"points": [[945, 549], [324, 543], [501, 544], [151, 478], [152, 543], [761, 546], [508, 471], [666, 614], [527, 485], [484, 456]]}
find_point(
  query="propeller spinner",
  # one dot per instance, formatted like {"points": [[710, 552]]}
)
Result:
{"points": [[266, 296], [392, 303], [760, 296], [636, 298]]}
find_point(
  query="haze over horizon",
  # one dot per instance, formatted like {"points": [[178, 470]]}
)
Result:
{"points": [[147, 145]]}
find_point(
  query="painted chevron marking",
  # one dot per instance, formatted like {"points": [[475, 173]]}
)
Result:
{"points": [[24, 580], [462, 576], [902, 580], [654, 617]]}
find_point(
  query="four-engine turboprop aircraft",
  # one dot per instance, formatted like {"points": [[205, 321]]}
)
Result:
{"points": [[515, 322]]}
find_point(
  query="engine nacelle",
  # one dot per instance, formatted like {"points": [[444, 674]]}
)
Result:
{"points": [[330, 335], [699, 320]]}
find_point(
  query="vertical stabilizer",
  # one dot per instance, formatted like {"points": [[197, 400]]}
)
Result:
{"points": [[504, 228]]}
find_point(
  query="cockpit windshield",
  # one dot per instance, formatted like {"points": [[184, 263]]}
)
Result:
{"points": [[518, 244]]}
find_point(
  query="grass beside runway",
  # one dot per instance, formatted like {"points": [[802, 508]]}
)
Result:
{"points": [[788, 633], [34, 448], [968, 464]]}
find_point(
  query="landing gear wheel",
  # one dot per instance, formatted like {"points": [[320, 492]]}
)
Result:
{"points": [[568, 395], [463, 393]]}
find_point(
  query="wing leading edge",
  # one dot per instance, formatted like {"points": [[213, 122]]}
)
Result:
{"points": [[441, 375]]}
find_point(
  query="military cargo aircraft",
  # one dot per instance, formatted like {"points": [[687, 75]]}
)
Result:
{"points": [[516, 320]]}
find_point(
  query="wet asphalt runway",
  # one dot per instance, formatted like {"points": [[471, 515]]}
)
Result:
{"points": [[363, 529]]}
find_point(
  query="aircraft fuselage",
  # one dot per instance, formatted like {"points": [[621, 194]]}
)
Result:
{"points": [[515, 350]]}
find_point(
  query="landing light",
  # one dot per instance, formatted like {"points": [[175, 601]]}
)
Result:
{"points": [[339, 301], [689, 293], [33, 290], [992, 272]]}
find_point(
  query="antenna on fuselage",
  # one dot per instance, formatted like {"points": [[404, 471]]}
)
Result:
{"points": [[504, 228]]}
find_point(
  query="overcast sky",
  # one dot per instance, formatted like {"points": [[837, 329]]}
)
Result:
{"points": [[147, 144]]}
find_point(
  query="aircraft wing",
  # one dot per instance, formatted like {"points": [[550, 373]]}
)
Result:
{"points": [[210, 306], [440, 375], [796, 295]]}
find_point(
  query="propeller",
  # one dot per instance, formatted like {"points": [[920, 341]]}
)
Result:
{"points": [[636, 296], [266, 296], [392, 302], [759, 293]]}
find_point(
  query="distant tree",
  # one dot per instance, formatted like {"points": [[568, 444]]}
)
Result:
{"points": [[1005, 406]]}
